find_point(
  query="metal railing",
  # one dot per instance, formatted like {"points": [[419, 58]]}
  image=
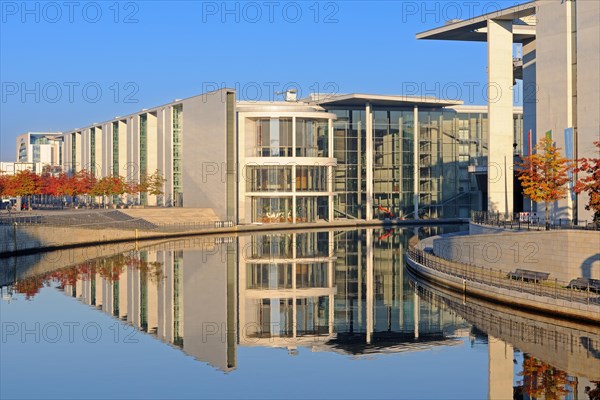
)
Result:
{"points": [[513, 221], [553, 289]]}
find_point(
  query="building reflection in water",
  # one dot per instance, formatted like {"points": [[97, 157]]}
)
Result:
{"points": [[342, 291]]}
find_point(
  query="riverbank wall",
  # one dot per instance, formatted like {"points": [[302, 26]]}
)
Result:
{"points": [[28, 239]]}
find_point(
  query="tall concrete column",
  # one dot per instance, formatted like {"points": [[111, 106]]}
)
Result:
{"points": [[500, 117], [529, 103], [501, 369], [369, 162]]}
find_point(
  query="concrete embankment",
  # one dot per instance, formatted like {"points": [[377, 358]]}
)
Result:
{"points": [[477, 265], [511, 298], [565, 254], [28, 239]]}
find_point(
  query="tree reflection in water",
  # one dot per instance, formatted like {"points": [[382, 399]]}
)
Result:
{"points": [[109, 268], [543, 381]]}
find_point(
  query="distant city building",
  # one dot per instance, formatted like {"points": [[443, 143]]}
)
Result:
{"points": [[40, 147]]}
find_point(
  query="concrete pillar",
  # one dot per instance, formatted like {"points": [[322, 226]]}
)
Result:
{"points": [[369, 162], [501, 369], [500, 117]]}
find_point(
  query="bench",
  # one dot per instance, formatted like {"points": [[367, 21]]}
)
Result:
{"points": [[528, 276], [584, 283]]}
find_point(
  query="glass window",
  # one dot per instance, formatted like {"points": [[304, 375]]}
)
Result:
{"points": [[271, 209], [269, 276], [311, 179], [271, 246], [311, 209], [274, 137], [311, 275], [311, 138], [268, 179]]}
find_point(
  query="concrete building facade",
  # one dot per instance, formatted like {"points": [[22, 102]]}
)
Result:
{"points": [[300, 160], [40, 148], [137, 145], [560, 42]]}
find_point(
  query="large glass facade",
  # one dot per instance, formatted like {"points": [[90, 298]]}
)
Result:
{"points": [[177, 153], [73, 152], [295, 183], [449, 142], [115, 148], [348, 148], [392, 161], [93, 151], [143, 154]]}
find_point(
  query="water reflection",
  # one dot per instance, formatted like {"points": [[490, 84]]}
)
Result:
{"points": [[339, 291], [555, 358], [327, 291]]}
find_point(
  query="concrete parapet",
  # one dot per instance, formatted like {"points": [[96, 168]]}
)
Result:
{"points": [[565, 254]]}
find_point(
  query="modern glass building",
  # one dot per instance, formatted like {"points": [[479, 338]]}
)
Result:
{"points": [[302, 160], [388, 172]]}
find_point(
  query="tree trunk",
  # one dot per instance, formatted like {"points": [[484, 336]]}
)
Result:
{"points": [[547, 216]]}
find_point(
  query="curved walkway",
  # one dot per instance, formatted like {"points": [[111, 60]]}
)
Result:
{"points": [[496, 286]]}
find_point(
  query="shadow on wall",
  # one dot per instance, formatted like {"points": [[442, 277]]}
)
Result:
{"points": [[587, 264]]}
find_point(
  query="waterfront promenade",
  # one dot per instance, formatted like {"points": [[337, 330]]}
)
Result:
{"points": [[503, 283]]}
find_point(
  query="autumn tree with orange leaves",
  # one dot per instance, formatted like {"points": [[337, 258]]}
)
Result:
{"points": [[590, 183], [544, 174]]}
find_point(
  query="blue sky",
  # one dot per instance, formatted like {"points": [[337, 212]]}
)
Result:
{"points": [[66, 66]]}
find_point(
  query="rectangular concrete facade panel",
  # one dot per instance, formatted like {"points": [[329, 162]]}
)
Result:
{"points": [[554, 86], [500, 119], [204, 144], [588, 86]]}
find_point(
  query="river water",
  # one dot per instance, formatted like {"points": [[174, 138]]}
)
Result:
{"points": [[320, 314]]}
